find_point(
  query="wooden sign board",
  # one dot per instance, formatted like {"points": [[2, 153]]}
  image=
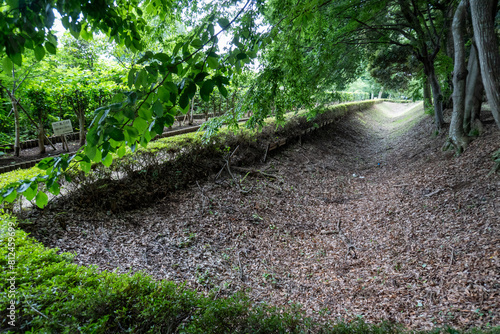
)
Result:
{"points": [[62, 127]]}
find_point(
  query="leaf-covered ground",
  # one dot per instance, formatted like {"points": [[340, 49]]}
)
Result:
{"points": [[419, 228]]}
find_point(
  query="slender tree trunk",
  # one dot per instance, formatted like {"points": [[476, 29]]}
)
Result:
{"points": [[17, 127], [427, 94], [456, 134], [381, 92], [483, 21], [81, 124], [436, 94], [190, 119], [41, 136], [473, 93]]}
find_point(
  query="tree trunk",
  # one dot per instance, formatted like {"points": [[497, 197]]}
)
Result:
{"points": [[473, 93], [483, 22], [427, 94], [456, 135], [81, 124], [17, 126], [381, 92], [41, 137], [436, 94], [190, 119]]}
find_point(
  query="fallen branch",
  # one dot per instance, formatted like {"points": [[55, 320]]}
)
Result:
{"points": [[203, 196], [255, 171], [228, 167], [351, 248], [434, 193]]}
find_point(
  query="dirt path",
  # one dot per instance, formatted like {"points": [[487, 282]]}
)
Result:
{"points": [[419, 241]]}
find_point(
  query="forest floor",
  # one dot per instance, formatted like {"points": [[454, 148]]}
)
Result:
{"points": [[365, 218]]}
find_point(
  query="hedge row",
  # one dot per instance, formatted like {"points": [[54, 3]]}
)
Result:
{"points": [[160, 151]]}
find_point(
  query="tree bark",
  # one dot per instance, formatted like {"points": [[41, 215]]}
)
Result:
{"points": [[427, 94], [436, 94], [41, 137], [17, 127], [381, 92], [473, 93], [190, 118], [483, 21], [456, 135], [81, 124]]}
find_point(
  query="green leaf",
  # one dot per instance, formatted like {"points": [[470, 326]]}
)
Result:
{"points": [[108, 160], [140, 124], [90, 151], [131, 77], [10, 195], [50, 48], [190, 90], [158, 126], [163, 94], [55, 189], [200, 77], [92, 137], [213, 62], [116, 134], [170, 86], [39, 52], [7, 65], [163, 57], [206, 90], [17, 59], [223, 23], [197, 43], [30, 192], [132, 132], [211, 29], [85, 166], [177, 48], [142, 79], [41, 199], [158, 108], [184, 100], [121, 152], [223, 90], [98, 156], [145, 113], [46, 163]]}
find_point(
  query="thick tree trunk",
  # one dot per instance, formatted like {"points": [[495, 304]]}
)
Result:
{"points": [[483, 22], [81, 124], [456, 135], [427, 94], [41, 137], [436, 94], [473, 93]]}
